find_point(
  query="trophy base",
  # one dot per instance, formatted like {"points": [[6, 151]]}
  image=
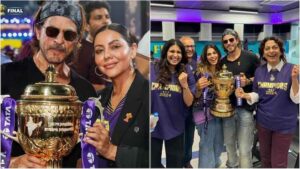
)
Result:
{"points": [[222, 108], [54, 164], [222, 114]]}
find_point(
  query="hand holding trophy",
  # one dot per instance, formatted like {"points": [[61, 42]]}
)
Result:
{"points": [[48, 118], [224, 86]]}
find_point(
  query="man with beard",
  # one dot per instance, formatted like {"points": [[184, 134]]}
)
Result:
{"points": [[189, 45], [97, 15], [58, 28], [238, 129]]}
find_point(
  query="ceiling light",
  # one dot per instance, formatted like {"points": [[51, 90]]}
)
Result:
{"points": [[162, 5], [242, 11]]}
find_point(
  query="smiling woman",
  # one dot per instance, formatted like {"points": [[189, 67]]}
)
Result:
{"points": [[209, 127], [114, 51], [276, 85], [126, 102], [171, 94]]}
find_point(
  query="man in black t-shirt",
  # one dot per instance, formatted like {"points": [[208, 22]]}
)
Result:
{"points": [[58, 29], [238, 129]]}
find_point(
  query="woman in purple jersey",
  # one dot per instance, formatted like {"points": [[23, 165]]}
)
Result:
{"points": [[209, 128], [276, 91], [172, 84]]}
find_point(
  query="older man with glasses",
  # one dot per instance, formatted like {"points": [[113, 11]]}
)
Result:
{"points": [[58, 29], [238, 129], [189, 45]]}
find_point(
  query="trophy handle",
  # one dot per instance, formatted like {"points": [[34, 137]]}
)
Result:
{"points": [[98, 105], [101, 109], [79, 136], [15, 138], [233, 88]]}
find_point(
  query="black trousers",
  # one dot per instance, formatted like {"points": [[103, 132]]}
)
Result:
{"points": [[189, 137], [174, 152]]}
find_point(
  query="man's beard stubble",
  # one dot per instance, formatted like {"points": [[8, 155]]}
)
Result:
{"points": [[67, 59]]}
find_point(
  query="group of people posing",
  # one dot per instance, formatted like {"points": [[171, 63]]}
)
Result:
{"points": [[182, 93], [178, 83]]}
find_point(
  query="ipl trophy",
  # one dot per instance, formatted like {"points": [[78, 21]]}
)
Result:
{"points": [[48, 120], [224, 86]]}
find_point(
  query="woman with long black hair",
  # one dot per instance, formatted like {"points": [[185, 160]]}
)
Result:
{"points": [[172, 91], [126, 102]]}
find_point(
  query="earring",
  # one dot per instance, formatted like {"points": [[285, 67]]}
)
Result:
{"points": [[101, 75], [97, 72], [78, 45]]}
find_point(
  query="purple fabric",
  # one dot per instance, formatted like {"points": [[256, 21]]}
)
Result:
{"points": [[193, 66], [275, 109], [8, 108], [169, 103], [113, 115], [202, 103], [199, 116], [88, 118], [205, 91], [238, 85]]}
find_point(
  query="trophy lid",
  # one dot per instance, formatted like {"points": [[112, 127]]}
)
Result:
{"points": [[224, 74], [49, 89]]}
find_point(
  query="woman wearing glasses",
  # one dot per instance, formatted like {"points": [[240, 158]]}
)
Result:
{"points": [[209, 128], [126, 102], [171, 95], [276, 91]]}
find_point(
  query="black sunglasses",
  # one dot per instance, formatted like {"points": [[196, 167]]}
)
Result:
{"points": [[229, 40], [52, 32]]}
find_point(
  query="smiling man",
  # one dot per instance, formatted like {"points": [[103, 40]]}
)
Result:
{"points": [[238, 129], [189, 45]]}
